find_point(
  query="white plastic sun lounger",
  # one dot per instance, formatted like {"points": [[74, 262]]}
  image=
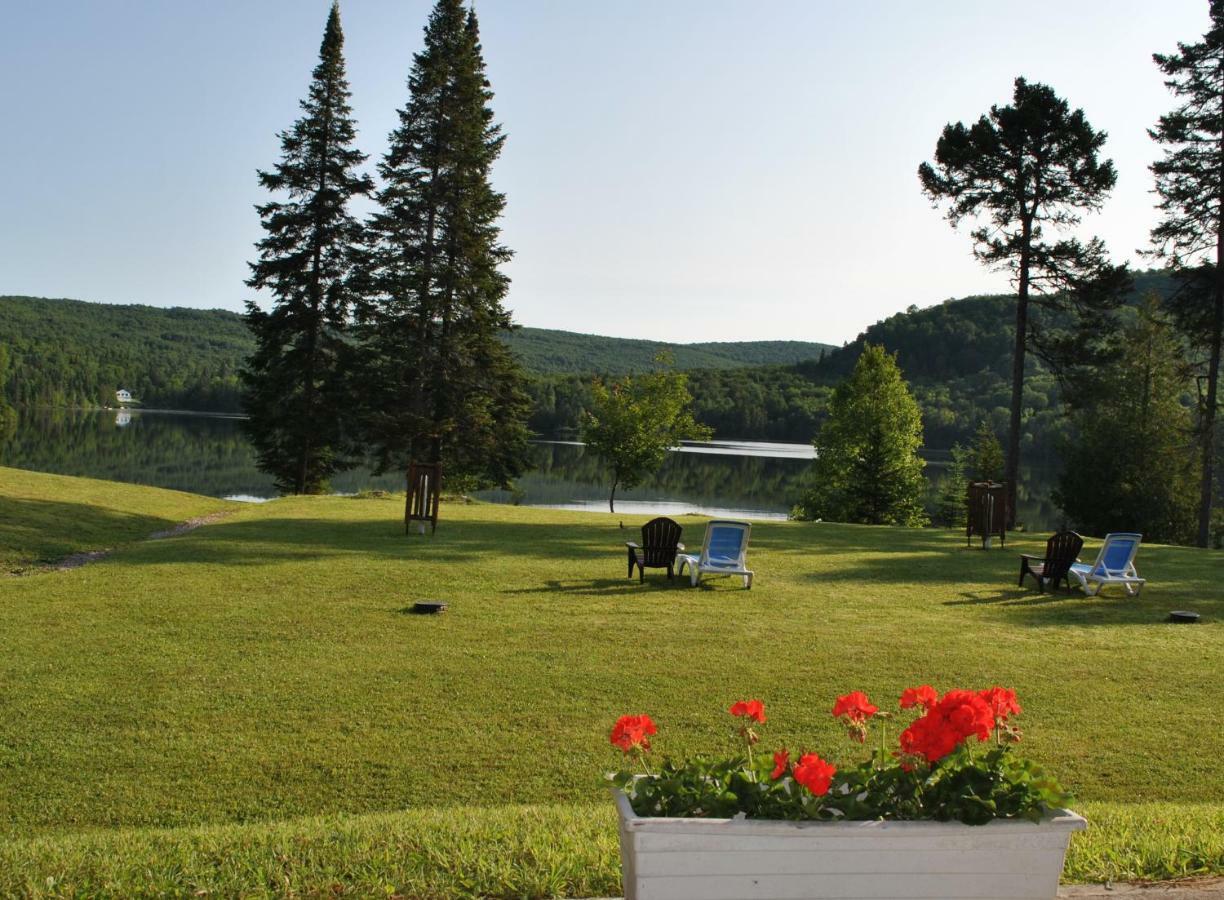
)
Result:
{"points": [[1115, 564], [724, 552]]}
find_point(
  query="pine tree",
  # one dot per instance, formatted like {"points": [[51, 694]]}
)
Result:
{"points": [[1190, 236], [1023, 168], [986, 460], [295, 381], [1131, 466], [951, 510], [867, 467], [439, 383]]}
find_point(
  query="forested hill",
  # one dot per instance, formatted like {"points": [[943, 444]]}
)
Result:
{"points": [[544, 351], [73, 353]]}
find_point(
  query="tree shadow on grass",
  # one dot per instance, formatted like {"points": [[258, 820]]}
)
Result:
{"points": [[1030, 607], [44, 531], [601, 587]]}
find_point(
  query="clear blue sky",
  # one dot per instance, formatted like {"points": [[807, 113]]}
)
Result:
{"points": [[677, 169]]}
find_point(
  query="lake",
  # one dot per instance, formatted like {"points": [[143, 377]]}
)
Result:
{"points": [[208, 454]]}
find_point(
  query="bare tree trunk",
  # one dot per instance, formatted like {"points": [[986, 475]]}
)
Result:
{"points": [[1012, 469], [612, 496]]}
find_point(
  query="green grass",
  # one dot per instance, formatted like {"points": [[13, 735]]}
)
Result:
{"points": [[44, 518], [509, 851], [180, 715]]}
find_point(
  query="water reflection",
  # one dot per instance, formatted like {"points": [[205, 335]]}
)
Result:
{"points": [[210, 455]]}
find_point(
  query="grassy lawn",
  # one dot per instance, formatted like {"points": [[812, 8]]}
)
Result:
{"points": [[248, 706], [44, 518]]}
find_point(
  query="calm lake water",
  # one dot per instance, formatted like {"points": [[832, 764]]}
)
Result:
{"points": [[210, 455]]}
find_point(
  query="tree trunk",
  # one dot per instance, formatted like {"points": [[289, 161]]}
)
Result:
{"points": [[612, 497], [1207, 487], [1012, 469]]}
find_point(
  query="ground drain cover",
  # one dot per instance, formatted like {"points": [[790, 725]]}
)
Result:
{"points": [[1181, 615], [428, 606]]}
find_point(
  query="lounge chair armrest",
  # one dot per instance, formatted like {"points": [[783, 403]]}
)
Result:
{"points": [[632, 544], [1030, 556], [679, 546]]}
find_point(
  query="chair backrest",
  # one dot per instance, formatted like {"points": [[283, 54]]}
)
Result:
{"points": [[1061, 551], [1117, 553], [659, 539], [726, 543]]}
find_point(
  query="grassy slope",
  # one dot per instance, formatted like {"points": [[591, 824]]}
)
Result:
{"points": [[277, 678], [46, 517]]}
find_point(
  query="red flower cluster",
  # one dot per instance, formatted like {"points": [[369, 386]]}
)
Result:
{"points": [[814, 773], [855, 706], [781, 764], [751, 709], [856, 709], [633, 733], [923, 697], [1002, 702], [948, 723]]}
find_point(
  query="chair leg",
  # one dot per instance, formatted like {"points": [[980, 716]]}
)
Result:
{"points": [[632, 560], [641, 574], [1023, 569], [669, 571]]}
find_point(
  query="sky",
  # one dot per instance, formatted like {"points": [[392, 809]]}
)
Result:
{"points": [[681, 170]]}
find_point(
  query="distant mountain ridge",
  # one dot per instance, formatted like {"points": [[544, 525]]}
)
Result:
{"points": [[547, 351]]}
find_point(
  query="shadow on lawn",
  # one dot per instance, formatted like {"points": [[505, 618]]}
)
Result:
{"points": [[44, 530], [603, 587], [258, 541]]}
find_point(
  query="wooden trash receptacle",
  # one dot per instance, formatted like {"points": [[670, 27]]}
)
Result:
{"points": [[424, 492], [986, 505]]}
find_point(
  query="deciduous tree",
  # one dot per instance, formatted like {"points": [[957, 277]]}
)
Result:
{"points": [[1017, 171], [295, 381], [635, 420]]}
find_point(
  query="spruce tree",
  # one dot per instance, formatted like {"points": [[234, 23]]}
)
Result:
{"points": [[439, 384], [1022, 169], [867, 467], [295, 381], [1190, 235]]}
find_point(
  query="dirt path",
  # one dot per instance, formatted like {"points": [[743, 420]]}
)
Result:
{"points": [[85, 557]]}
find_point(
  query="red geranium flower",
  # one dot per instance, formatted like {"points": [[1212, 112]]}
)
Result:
{"points": [[781, 763], [633, 733], [752, 709], [954, 719], [855, 706], [814, 774], [856, 709], [1002, 702], [924, 697]]}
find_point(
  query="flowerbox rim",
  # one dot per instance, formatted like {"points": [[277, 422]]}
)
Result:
{"points": [[1054, 819]]}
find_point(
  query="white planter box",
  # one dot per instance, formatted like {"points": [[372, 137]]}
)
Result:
{"points": [[736, 859]]}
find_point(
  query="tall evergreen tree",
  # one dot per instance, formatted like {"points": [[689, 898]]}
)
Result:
{"points": [[1131, 466], [867, 467], [295, 380], [1190, 236], [1022, 168], [440, 385]]}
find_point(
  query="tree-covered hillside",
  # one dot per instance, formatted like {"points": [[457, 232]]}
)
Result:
{"points": [[545, 351], [72, 353]]}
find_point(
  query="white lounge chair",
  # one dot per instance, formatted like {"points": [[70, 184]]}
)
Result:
{"points": [[723, 552], [1115, 564]]}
